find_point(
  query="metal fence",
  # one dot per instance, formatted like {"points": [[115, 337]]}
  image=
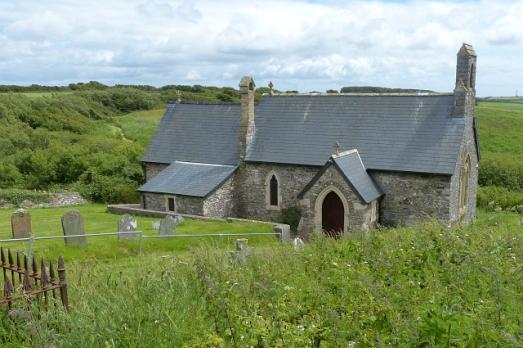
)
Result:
{"points": [[27, 280], [140, 236]]}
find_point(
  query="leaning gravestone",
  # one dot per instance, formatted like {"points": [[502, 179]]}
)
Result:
{"points": [[21, 224], [127, 224], [284, 231], [168, 226], [73, 224]]}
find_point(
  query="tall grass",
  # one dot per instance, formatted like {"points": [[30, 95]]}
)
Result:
{"points": [[422, 286]]}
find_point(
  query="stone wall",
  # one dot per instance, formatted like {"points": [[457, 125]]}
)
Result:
{"points": [[468, 148], [189, 205], [221, 202], [359, 216], [184, 204], [153, 201], [251, 190], [152, 169], [412, 198]]}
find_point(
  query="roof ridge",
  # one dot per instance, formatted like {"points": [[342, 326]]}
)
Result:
{"points": [[420, 94]]}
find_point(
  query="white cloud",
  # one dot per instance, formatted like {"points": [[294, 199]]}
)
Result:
{"points": [[295, 43]]}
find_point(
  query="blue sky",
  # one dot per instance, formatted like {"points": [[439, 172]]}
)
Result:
{"points": [[299, 45]]}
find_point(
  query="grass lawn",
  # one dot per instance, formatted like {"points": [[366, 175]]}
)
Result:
{"points": [[46, 222]]}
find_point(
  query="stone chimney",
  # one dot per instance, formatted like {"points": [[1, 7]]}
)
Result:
{"points": [[247, 89], [465, 89]]}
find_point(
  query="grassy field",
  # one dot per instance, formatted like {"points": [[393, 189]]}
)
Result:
{"points": [[140, 126], [424, 286], [46, 222]]}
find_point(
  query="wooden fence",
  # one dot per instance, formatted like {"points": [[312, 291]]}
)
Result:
{"points": [[28, 281]]}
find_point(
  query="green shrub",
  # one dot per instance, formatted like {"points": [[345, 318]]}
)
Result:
{"points": [[503, 170], [17, 196], [498, 198], [291, 216]]}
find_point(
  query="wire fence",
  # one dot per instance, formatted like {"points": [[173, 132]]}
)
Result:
{"points": [[140, 236]]}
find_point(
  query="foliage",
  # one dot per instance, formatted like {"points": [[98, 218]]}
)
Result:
{"points": [[495, 198], [291, 216], [17, 196], [423, 286], [72, 136]]}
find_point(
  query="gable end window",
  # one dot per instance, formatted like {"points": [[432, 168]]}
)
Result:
{"points": [[464, 185]]}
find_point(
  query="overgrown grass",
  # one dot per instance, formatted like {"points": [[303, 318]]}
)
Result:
{"points": [[47, 222], [420, 286], [140, 126]]}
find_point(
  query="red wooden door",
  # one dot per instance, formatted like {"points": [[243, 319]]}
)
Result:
{"points": [[332, 215]]}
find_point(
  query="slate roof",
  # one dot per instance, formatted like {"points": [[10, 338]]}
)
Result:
{"points": [[202, 133], [414, 133], [351, 167], [189, 179]]}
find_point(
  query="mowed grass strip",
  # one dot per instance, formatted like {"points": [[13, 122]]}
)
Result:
{"points": [[47, 222]]}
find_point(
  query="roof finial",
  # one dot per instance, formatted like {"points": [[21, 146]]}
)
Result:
{"points": [[270, 88], [336, 147]]}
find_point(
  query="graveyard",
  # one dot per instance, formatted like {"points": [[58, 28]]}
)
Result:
{"points": [[47, 222]]}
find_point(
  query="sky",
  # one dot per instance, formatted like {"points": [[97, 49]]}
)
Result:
{"points": [[297, 44]]}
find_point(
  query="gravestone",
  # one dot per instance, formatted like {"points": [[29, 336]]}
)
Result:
{"points": [[73, 224], [21, 224], [156, 225], [167, 226], [298, 244], [127, 224], [242, 250], [284, 231]]}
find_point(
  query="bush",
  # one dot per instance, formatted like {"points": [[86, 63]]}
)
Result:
{"points": [[501, 170], [499, 198], [291, 216], [17, 197]]}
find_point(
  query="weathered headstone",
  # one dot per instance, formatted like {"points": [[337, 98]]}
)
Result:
{"points": [[21, 224], [298, 244], [167, 226], [127, 224], [179, 219], [284, 230], [242, 250], [73, 224], [155, 225]]}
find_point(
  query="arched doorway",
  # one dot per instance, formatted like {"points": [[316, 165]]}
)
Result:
{"points": [[332, 215]]}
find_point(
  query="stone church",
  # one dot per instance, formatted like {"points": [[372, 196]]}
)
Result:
{"points": [[347, 161]]}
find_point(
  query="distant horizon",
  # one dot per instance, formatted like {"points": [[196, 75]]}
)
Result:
{"points": [[297, 44]]}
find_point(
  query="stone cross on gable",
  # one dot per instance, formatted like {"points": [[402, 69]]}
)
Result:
{"points": [[336, 148]]}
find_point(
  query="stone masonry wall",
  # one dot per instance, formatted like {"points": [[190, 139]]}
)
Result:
{"points": [[184, 204], [411, 198], [152, 169], [221, 202], [359, 216], [251, 188], [468, 147], [153, 201]]}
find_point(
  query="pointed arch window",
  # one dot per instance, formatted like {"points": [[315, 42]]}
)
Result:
{"points": [[273, 192], [464, 185], [472, 75]]}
